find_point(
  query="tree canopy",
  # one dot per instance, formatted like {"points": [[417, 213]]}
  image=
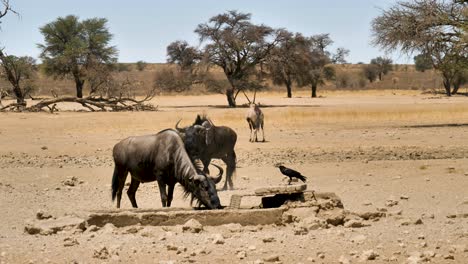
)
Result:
{"points": [[73, 48], [437, 28], [237, 45]]}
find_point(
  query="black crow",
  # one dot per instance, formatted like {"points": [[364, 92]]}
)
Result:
{"points": [[291, 174]]}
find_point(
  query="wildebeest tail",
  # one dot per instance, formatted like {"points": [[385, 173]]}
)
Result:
{"points": [[115, 182]]}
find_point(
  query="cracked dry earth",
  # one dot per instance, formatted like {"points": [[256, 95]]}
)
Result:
{"points": [[404, 156]]}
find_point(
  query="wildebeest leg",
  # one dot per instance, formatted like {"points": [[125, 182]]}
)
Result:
{"points": [[263, 132], [132, 191], [170, 194], [162, 192], [230, 161], [118, 183]]}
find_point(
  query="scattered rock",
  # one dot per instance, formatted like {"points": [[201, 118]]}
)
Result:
{"points": [[391, 202], [369, 255], [44, 147], [272, 258], [449, 256], [171, 247], [418, 222], [241, 254], [343, 260], [101, 253], [41, 215], [132, 230], [355, 224], [73, 181], [234, 228], [192, 226], [258, 261], [218, 239], [52, 226], [69, 242], [92, 228], [404, 197], [321, 255], [268, 239]]}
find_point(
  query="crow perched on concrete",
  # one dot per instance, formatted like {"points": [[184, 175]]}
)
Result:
{"points": [[291, 173]]}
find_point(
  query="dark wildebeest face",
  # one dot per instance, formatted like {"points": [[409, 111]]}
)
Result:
{"points": [[206, 192], [195, 139], [205, 189]]}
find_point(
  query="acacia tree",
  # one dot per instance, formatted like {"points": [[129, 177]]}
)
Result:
{"points": [[285, 60], [237, 46], [371, 72], [437, 28], [20, 72], [383, 66], [5, 7], [73, 48], [422, 62], [314, 70], [182, 54]]}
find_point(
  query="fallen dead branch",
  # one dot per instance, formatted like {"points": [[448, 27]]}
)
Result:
{"points": [[91, 103]]}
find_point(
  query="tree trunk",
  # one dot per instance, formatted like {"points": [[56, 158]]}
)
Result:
{"points": [[79, 87], [230, 97], [447, 86], [18, 94], [314, 90], [288, 88], [380, 76], [456, 86]]}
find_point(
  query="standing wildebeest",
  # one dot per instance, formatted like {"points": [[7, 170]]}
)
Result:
{"points": [[255, 119], [162, 158], [205, 141]]}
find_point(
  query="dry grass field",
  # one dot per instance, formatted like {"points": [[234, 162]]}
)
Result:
{"points": [[396, 151]]}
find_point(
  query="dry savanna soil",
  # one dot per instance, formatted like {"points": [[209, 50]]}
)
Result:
{"points": [[403, 155]]}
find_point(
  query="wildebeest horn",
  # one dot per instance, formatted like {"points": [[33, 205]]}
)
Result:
{"points": [[178, 128], [218, 178]]}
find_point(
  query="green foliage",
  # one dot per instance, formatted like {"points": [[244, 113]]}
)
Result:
{"points": [[20, 72], [383, 65], [436, 28], [236, 45], [422, 62], [180, 53], [141, 65], [122, 67], [72, 47], [371, 72]]}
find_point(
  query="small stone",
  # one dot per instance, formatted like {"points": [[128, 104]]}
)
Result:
{"points": [[429, 254], [355, 224], [252, 248], [343, 260], [358, 239], [258, 261], [369, 255], [391, 202], [404, 197], [44, 147], [268, 239], [218, 239], [418, 222], [272, 258], [421, 236], [192, 226], [449, 256], [101, 253], [171, 247], [40, 215], [242, 255], [321, 255], [69, 242], [367, 203]]}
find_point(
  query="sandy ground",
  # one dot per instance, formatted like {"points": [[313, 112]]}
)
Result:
{"points": [[367, 148]]}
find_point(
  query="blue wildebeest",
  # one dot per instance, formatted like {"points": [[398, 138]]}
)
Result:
{"points": [[161, 157], [205, 141]]}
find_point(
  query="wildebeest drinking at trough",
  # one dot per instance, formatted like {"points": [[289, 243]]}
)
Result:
{"points": [[162, 158], [205, 141]]}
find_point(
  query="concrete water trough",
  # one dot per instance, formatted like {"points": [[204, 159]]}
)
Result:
{"points": [[275, 201]]}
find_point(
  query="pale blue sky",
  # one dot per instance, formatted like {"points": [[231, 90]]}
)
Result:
{"points": [[142, 29]]}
